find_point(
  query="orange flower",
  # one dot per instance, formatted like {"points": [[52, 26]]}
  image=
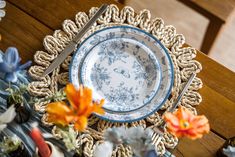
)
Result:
{"points": [[59, 113], [81, 107], [183, 123], [81, 100]]}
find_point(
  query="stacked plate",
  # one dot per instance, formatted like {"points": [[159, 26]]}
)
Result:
{"points": [[126, 66]]}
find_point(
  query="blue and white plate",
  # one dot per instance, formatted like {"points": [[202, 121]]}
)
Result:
{"points": [[127, 67]]}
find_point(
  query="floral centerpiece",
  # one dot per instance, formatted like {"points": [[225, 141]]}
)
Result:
{"points": [[74, 113], [13, 86]]}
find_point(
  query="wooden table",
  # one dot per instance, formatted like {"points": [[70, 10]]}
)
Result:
{"points": [[218, 12], [27, 22]]}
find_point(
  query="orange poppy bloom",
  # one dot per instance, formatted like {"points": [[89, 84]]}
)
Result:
{"points": [[183, 123], [81, 107], [59, 113]]}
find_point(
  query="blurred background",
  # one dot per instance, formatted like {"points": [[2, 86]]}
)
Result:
{"points": [[193, 25]]}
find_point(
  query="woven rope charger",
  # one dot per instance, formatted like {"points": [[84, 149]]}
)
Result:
{"points": [[182, 57]]}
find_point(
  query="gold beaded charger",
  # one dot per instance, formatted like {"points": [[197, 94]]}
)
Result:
{"points": [[182, 58]]}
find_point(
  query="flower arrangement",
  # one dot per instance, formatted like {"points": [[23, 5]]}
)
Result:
{"points": [[13, 80], [73, 106]]}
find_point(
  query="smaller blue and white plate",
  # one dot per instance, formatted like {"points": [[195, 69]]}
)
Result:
{"points": [[124, 72], [127, 67]]}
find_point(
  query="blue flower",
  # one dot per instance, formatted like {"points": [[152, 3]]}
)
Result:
{"points": [[10, 64]]}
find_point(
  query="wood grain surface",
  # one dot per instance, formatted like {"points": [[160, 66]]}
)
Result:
{"points": [[22, 31], [52, 13], [222, 10], [27, 22], [218, 94], [205, 147]]}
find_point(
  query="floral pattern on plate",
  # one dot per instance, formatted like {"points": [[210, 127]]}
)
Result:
{"points": [[113, 51], [100, 76]]}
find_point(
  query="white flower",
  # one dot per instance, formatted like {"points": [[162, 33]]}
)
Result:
{"points": [[104, 150], [2, 12], [116, 135], [229, 151], [7, 117], [139, 132], [137, 137], [140, 140]]}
